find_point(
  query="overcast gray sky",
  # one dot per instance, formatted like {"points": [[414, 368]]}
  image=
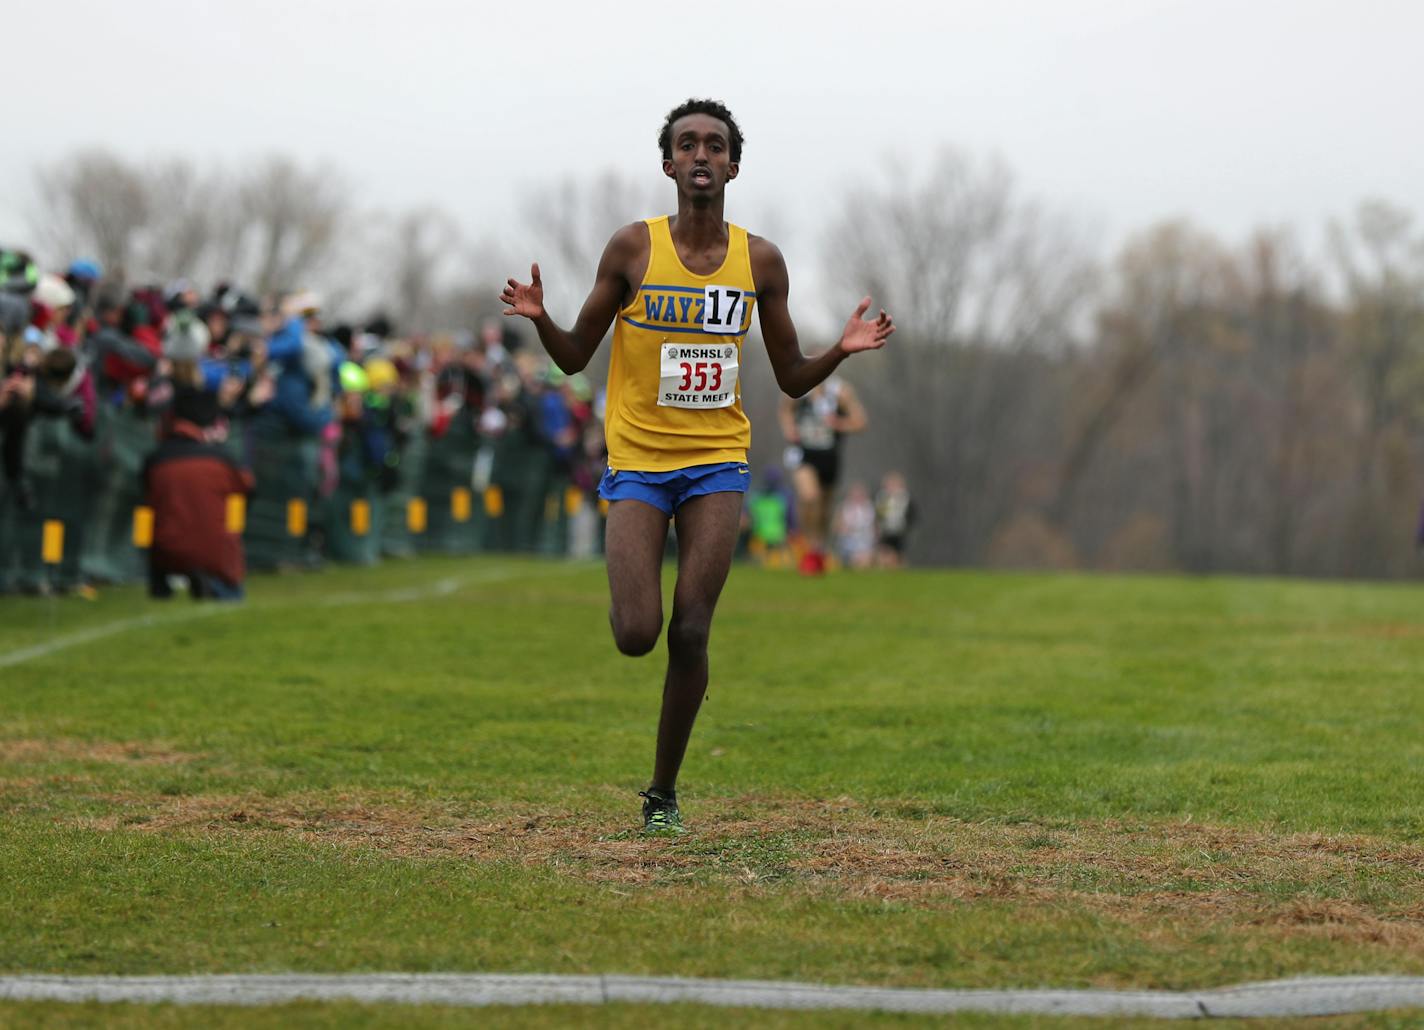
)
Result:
{"points": [[1122, 112]]}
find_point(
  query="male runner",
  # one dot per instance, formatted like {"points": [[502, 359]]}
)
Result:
{"points": [[682, 289]]}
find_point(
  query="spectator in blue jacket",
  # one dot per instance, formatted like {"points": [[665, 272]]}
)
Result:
{"points": [[287, 436]]}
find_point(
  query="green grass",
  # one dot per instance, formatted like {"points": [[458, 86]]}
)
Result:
{"points": [[926, 779]]}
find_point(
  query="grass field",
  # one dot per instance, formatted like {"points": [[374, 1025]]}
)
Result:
{"points": [[924, 779]]}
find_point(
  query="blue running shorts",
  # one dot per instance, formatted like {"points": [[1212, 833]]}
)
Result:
{"points": [[666, 491]]}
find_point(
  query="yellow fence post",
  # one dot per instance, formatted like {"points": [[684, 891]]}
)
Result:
{"points": [[360, 517], [236, 513], [143, 526], [52, 544], [573, 501], [415, 514], [494, 502], [460, 504], [296, 517]]}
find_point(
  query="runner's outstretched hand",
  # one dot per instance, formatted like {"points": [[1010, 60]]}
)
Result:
{"points": [[861, 335], [526, 300]]}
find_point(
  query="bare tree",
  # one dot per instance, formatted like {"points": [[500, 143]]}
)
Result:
{"points": [[1382, 263], [985, 288], [571, 221], [576, 217], [1381, 259], [421, 245], [472, 297], [92, 203], [291, 219], [184, 218], [1294, 366], [1174, 285], [961, 257], [274, 225], [1217, 406]]}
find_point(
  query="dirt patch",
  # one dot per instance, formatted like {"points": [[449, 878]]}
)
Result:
{"points": [[1387, 630], [22, 783], [1347, 888], [107, 751], [1348, 922]]}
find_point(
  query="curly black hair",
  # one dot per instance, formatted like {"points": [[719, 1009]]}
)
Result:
{"points": [[712, 107]]}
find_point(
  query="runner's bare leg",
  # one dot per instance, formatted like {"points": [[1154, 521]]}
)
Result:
{"points": [[633, 541], [706, 539], [810, 507]]}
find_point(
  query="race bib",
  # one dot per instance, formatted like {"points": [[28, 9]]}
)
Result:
{"points": [[723, 309], [697, 376]]}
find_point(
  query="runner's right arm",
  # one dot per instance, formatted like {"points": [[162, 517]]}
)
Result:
{"points": [[571, 349]]}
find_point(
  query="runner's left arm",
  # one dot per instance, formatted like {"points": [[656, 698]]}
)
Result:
{"points": [[797, 374]]}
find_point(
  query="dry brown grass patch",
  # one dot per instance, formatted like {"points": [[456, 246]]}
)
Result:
{"points": [[1388, 630], [64, 749], [1152, 875], [1348, 922]]}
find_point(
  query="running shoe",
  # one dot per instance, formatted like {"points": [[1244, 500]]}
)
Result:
{"points": [[660, 814]]}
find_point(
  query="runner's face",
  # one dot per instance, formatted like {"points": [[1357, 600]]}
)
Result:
{"points": [[701, 163]]}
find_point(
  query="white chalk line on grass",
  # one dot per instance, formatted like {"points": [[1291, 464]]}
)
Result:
{"points": [[1320, 996], [107, 629], [440, 588]]}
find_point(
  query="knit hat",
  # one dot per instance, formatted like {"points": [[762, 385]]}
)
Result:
{"points": [[86, 270], [53, 292]]}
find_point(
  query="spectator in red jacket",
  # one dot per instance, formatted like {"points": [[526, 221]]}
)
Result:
{"points": [[188, 481]]}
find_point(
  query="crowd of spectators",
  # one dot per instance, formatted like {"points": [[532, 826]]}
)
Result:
{"points": [[344, 442]]}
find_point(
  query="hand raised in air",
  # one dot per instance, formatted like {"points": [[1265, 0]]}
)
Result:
{"points": [[525, 299], [860, 334]]}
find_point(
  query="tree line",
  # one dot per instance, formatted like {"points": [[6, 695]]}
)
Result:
{"points": [[1189, 405]]}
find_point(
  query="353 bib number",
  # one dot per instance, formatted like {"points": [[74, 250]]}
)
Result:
{"points": [[697, 376]]}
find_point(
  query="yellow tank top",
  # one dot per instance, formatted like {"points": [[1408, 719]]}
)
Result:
{"points": [[674, 392]]}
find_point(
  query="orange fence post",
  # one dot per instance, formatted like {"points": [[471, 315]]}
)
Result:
{"points": [[494, 502]]}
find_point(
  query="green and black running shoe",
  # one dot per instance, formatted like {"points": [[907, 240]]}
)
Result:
{"points": [[660, 814]]}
